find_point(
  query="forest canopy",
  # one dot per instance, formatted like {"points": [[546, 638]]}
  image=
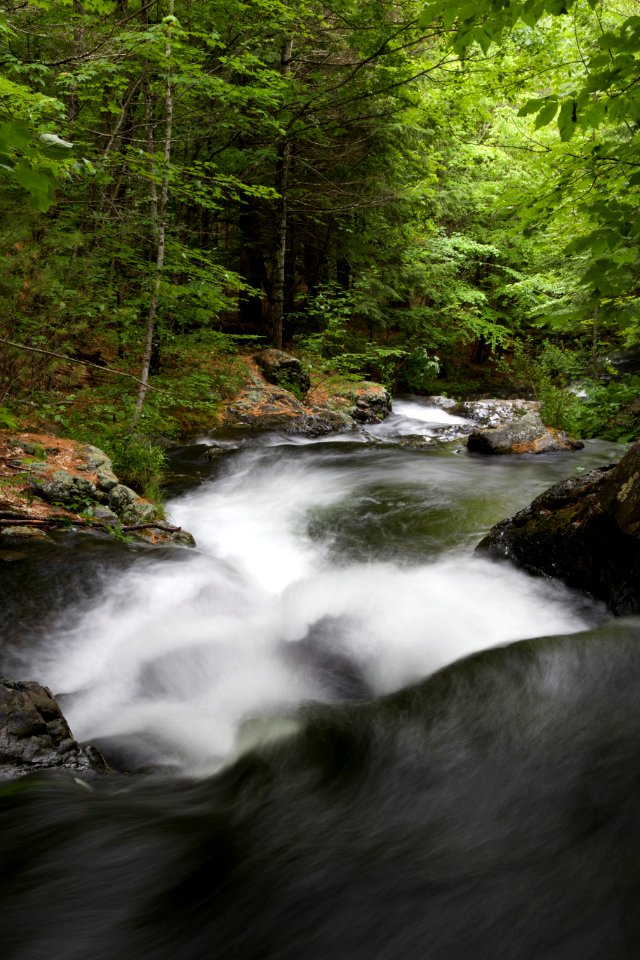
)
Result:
{"points": [[438, 195]]}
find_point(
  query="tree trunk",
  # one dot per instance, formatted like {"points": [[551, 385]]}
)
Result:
{"points": [[283, 166], [159, 204], [594, 342]]}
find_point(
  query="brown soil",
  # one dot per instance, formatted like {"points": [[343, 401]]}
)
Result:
{"points": [[15, 494]]}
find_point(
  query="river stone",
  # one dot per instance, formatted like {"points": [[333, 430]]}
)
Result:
{"points": [[444, 403], [584, 530], [264, 407], [19, 535], [369, 402], [528, 434], [63, 487], [35, 735], [129, 507], [492, 412], [155, 536], [283, 369]]}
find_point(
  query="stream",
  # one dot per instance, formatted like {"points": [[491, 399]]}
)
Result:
{"points": [[301, 773]]}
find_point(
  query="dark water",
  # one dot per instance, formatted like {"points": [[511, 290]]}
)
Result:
{"points": [[303, 791]]}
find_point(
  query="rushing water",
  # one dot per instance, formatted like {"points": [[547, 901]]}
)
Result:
{"points": [[486, 812]]}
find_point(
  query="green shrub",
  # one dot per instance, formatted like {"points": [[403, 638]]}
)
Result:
{"points": [[139, 463]]}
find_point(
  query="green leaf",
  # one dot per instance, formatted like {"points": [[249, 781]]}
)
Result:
{"points": [[547, 113], [38, 184], [567, 120], [15, 135], [531, 106]]}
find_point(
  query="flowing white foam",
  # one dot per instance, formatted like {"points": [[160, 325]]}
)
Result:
{"points": [[181, 653], [411, 418]]}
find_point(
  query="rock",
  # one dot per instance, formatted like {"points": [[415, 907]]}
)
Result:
{"points": [[19, 535], [34, 734], [212, 452], [63, 487], [283, 369], [495, 412], [129, 507], [525, 435], [106, 480], [107, 500], [368, 402], [95, 458], [444, 403], [621, 492], [155, 536], [585, 530], [182, 538], [103, 514], [32, 448], [265, 407]]}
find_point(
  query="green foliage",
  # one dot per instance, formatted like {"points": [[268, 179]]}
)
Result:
{"points": [[7, 420], [139, 463], [459, 175], [611, 410], [547, 375], [419, 370]]}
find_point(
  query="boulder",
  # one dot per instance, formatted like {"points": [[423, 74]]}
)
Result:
{"points": [[35, 735], [103, 514], [130, 507], [368, 402], [265, 407], [444, 403], [585, 530], [528, 434], [283, 369], [64, 487], [19, 535], [495, 412]]}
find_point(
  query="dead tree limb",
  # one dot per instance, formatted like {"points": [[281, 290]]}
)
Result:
{"points": [[83, 363]]}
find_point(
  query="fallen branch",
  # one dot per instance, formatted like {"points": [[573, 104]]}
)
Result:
{"points": [[71, 521], [83, 363]]}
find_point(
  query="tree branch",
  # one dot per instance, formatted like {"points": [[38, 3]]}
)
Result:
{"points": [[83, 363]]}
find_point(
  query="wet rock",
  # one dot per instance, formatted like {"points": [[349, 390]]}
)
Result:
{"points": [[444, 403], [182, 538], [265, 407], [621, 493], [494, 412], [212, 452], [155, 536], [34, 734], [585, 531], [19, 535], [528, 434], [283, 369], [368, 402]]}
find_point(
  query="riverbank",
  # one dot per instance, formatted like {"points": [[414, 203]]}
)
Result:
{"points": [[49, 482]]}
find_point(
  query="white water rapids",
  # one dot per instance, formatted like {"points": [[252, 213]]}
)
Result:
{"points": [[300, 590]]}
